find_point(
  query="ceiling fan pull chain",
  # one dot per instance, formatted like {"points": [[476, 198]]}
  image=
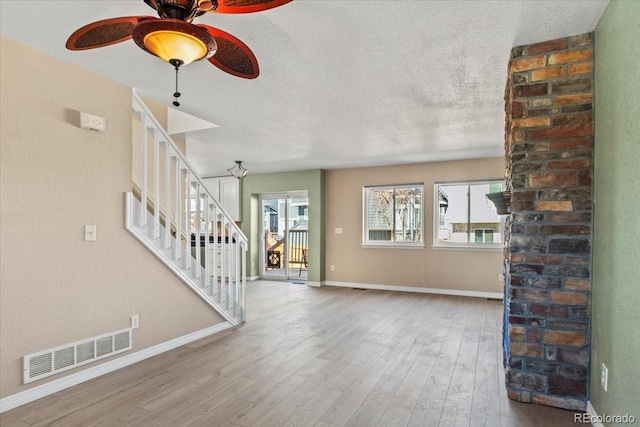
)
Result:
{"points": [[176, 63]]}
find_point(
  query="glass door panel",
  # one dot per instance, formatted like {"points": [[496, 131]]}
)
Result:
{"points": [[298, 209], [274, 247], [284, 236]]}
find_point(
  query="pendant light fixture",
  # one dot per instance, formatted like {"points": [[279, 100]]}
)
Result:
{"points": [[238, 170]]}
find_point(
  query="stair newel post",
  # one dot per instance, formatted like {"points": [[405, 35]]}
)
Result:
{"points": [[145, 165], [243, 284], [197, 268], [178, 247], [187, 219], [207, 225], [229, 250], [167, 195]]}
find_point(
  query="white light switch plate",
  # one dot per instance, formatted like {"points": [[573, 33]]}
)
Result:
{"points": [[89, 233]]}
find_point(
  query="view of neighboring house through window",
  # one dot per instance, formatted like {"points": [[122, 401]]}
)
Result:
{"points": [[393, 215], [465, 217]]}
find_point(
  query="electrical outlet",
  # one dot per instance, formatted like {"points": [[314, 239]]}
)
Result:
{"points": [[604, 379], [500, 277], [333, 268], [135, 321]]}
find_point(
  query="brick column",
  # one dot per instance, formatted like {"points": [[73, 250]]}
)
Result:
{"points": [[549, 149]]}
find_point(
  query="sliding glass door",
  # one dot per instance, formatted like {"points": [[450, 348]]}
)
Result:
{"points": [[284, 236]]}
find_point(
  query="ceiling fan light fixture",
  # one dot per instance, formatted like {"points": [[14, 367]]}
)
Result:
{"points": [[172, 39], [238, 170], [170, 45]]}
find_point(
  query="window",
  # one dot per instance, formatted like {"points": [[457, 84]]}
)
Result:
{"points": [[393, 216], [464, 217]]}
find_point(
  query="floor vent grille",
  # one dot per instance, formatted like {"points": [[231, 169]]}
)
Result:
{"points": [[55, 360]]}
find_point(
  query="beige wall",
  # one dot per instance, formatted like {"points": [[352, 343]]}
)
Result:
{"points": [[441, 269], [55, 178]]}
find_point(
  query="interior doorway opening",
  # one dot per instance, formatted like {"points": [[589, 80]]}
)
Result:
{"points": [[284, 248]]}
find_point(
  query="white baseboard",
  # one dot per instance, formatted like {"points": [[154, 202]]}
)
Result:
{"points": [[477, 294], [593, 415], [55, 386], [252, 278]]}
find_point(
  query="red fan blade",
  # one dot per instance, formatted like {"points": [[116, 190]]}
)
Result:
{"points": [[233, 56], [104, 33], [247, 6]]}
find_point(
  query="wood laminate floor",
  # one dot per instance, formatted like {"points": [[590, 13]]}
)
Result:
{"points": [[320, 357]]}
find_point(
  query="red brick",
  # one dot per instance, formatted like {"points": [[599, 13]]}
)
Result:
{"points": [[554, 206], [522, 206], [546, 259], [547, 73], [540, 102], [565, 338], [529, 295], [547, 46], [531, 122], [513, 395], [559, 132], [571, 86], [549, 310], [517, 333], [517, 258], [565, 144], [565, 229], [577, 284], [533, 334], [568, 325], [584, 178], [580, 98], [569, 164], [517, 109], [573, 119], [519, 135], [527, 350], [523, 196], [525, 91], [560, 179], [580, 68], [570, 56], [565, 387], [522, 64], [569, 298]]}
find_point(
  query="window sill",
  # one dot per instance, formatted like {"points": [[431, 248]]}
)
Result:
{"points": [[392, 246], [463, 247]]}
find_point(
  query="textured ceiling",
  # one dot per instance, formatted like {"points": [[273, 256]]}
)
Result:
{"points": [[343, 83]]}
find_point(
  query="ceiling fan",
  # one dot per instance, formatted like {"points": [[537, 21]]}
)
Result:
{"points": [[175, 39]]}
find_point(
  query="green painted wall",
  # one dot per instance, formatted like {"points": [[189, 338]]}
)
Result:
{"points": [[616, 249], [311, 181]]}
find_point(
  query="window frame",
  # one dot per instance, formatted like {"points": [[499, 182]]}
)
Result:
{"points": [[366, 243], [497, 246]]}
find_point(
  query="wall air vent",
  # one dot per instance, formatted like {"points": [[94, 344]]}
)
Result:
{"points": [[59, 359]]}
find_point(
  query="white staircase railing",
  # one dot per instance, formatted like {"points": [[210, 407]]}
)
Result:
{"points": [[179, 220]]}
